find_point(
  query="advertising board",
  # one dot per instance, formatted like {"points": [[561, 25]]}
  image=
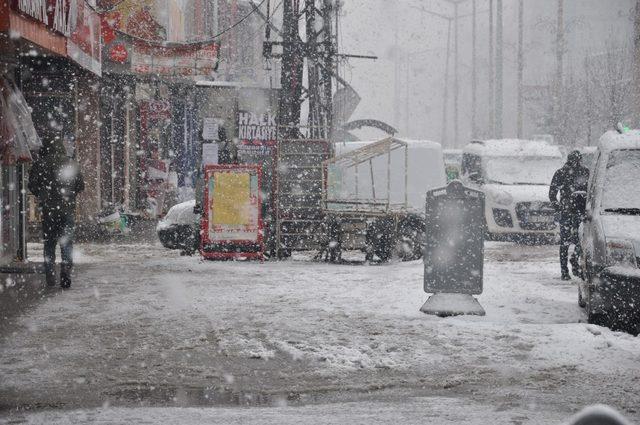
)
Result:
{"points": [[232, 224]]}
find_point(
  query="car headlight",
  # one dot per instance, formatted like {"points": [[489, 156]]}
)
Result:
{"points": [[621, 253], [502, 198]]}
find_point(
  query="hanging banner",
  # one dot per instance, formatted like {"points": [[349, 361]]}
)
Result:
{"points": [[134, 42], [84, 45], [197, 60], [232, 224]]}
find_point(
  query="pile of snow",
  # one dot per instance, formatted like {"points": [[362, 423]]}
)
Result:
{"points": [[514, 148]]}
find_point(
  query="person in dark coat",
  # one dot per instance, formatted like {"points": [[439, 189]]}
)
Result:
{"points": [[570, 182], [55, 179]]}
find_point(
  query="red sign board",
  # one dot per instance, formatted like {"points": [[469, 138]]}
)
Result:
{"points": [[119, 53], [182, 61], [84, 46]]}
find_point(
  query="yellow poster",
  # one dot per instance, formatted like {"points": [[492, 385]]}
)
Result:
{"points": [[231, 199]]}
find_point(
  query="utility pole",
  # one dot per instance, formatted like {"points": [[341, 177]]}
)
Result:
{"points": [[396, 70], [636, 62], [474, 70], [407, 121], [520, 68], [445, 97], [456, 81], [499, 71], [319, 50], [560, 68], [291, 75], [492, 104]]}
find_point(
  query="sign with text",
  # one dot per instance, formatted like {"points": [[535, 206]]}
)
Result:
{"points": [[209, 154], [257, 128], [210, 129], [181, 61]]}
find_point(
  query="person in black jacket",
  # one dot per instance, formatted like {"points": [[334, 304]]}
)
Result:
{"points": [[570, 182], [55, 179]]}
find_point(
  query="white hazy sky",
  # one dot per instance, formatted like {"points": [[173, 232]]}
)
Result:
{"points": [[368, 28]]}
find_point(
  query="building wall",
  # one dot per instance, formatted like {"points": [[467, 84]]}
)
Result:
{"points": [[88, 144]]}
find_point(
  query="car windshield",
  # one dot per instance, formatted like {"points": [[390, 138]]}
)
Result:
{"points": [[621, 190], [521, 170]]}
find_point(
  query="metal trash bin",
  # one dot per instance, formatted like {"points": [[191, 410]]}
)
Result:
{"points": [[454, 250]]}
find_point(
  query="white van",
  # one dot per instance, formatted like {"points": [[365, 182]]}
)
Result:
{"points": [[515, 176]]}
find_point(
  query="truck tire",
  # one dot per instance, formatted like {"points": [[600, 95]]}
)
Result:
{"points": [[380, 239], [411, 236]]}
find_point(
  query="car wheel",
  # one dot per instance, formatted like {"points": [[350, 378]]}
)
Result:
{"points": [[598, 318], [410, 241], [581, 301], [380, 241], [585, 284]]}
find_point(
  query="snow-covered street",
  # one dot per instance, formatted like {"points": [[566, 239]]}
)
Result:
{"points": [[144, 327]]}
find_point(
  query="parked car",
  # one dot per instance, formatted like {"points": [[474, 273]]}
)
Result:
{"points": [[610, 235], [515, 176], [180, 228]]}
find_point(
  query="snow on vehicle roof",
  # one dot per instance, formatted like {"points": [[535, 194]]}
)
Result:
{"points": [[588, 149], [613, 140], [513, 147]]}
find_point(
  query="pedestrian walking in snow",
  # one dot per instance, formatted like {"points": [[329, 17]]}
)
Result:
{"points": [[55, 179], [570, 182]]}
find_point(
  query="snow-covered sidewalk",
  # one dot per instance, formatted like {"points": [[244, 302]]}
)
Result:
{"points": [[144, 326]]}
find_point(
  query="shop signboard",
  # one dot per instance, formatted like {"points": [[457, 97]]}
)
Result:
{"points": [[83, 45], [135, 42], [257, 134], [184, 61], [232, 222], [257, 128]]}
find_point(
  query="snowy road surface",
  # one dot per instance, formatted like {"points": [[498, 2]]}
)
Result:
{"points": [[148, 336]]}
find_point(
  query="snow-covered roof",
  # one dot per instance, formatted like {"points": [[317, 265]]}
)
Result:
{"points": [[513, 147], [613, 140]]}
